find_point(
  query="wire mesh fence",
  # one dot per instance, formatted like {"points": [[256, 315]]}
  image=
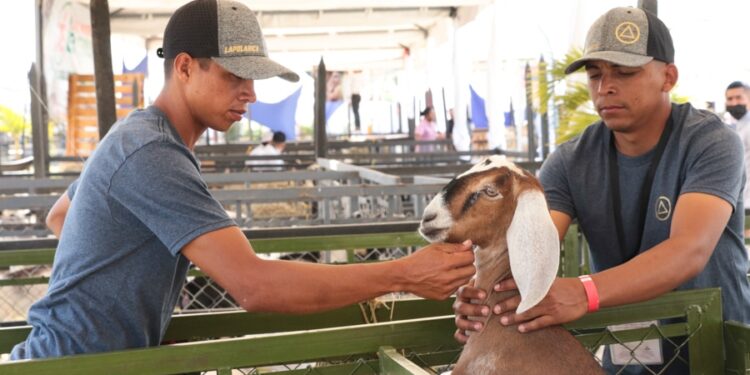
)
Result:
{"points": [[21, 286]]}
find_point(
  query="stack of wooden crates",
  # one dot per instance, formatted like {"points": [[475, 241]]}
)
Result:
{"points": [[83, 133]]}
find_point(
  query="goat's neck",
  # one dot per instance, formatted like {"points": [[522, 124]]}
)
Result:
{"points": [[492, 265]]}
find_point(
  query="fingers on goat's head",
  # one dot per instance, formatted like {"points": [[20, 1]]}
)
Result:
{"points": [[478, 204]]}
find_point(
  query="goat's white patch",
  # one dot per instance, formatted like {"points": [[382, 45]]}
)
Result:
{"points": [[533, 248], [436, 230], [496, 161], [483, 364]]}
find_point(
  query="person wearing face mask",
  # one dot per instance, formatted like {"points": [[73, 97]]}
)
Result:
{"points": [[737, 104]]}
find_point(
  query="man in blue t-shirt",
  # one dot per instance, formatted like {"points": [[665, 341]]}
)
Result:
{"points": [[655, 187], [140, 212]]}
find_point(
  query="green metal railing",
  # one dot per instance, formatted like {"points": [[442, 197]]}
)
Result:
{"points": [[709, 338], [737, 344], [402, 346]]}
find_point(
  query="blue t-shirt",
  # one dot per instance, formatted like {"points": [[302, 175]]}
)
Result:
{"points": [[118, 270], [702, 155]]}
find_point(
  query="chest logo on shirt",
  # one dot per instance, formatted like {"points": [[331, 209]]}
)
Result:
{"points": [[663, 208]]}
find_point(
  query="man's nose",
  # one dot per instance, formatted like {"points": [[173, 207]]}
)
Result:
{"points": [[248, 91], [605, 85]]}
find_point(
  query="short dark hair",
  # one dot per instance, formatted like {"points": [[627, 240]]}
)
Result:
{"points": [[278, 137], [737, 85], [203, 62], [426, 110]]}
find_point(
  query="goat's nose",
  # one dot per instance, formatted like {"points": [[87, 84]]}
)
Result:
{"points": [[428, 217]]}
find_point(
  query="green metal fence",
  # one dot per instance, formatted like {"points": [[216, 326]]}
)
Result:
{"points": [[418, 346], [28, 284], [339, 341]]}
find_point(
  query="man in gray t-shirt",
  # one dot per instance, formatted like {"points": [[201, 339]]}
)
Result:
{"points": [[655, 187], [140, 212]]}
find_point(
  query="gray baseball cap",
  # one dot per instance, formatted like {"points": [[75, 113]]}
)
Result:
{"points": [[627, 37], [226, 31]]}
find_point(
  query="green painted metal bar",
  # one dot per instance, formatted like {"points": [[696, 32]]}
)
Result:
{"points": [[10, 336], [706, 344], [314, 243], [238, 323], [247, 352], [393, 363], [261, 245], [24, 281], [570, 261], [737, 348], [26, 257]]}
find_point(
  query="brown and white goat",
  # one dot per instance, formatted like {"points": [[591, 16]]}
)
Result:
{"points": [[502, 209]]}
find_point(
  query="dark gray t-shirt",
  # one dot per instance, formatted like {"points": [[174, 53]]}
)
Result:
{"points": [[703, 155], [118, 270]]}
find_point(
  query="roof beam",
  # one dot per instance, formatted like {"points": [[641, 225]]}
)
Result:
{"points": [[168, 6], [151, 25]]}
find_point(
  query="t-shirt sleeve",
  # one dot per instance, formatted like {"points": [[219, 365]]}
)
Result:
{"points": [[163, 189], [554, 179], [72, 188], [716, 168]]}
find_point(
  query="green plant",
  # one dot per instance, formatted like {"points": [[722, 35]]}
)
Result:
{"points": [[574, 107]]}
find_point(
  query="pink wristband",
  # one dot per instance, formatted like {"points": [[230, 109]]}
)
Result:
{"points": [[591, 294]]}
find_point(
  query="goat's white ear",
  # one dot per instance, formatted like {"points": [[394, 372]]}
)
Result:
{"points": [[533, 247]]}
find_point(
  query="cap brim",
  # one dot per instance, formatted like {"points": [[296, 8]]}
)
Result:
{"points": [[614, 57], [255, 67]]}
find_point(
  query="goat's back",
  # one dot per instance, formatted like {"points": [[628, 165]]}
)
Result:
{"points": [[503, 350]]}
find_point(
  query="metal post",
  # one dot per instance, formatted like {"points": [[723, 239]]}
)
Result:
{"points": [[651, 6], [38, 128], [104, 78], [319, 123], [529, 114], [543, 109], [37, 87]]}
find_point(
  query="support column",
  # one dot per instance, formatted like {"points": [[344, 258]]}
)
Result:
{"points": [[319, 123], [104, 78], [39, 115]]}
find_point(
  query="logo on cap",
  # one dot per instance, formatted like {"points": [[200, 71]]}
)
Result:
{"points": [[627, 33], [241, 48]]}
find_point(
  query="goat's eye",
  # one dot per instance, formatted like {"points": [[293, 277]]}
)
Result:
{"points": [[491, 192]]}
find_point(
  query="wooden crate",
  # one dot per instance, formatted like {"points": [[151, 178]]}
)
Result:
{"points": [[82, 133]]}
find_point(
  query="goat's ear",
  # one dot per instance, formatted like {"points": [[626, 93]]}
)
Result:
{"points": [[533, 247]]}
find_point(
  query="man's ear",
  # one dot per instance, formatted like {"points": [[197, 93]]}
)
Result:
{"points": [[671, 75], [182, 66]]}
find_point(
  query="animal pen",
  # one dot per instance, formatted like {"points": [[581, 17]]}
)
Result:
{"points": [[394, 334]]}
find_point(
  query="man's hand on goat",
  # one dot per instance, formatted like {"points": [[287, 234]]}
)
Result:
{"points": [[469, 302], [437, 270], [566, 301]]}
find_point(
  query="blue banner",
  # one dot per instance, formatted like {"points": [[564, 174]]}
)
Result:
{"points": [[478, 112], [277, 116]]}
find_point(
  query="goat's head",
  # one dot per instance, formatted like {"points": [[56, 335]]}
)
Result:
{"points": [[500, 206]]}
